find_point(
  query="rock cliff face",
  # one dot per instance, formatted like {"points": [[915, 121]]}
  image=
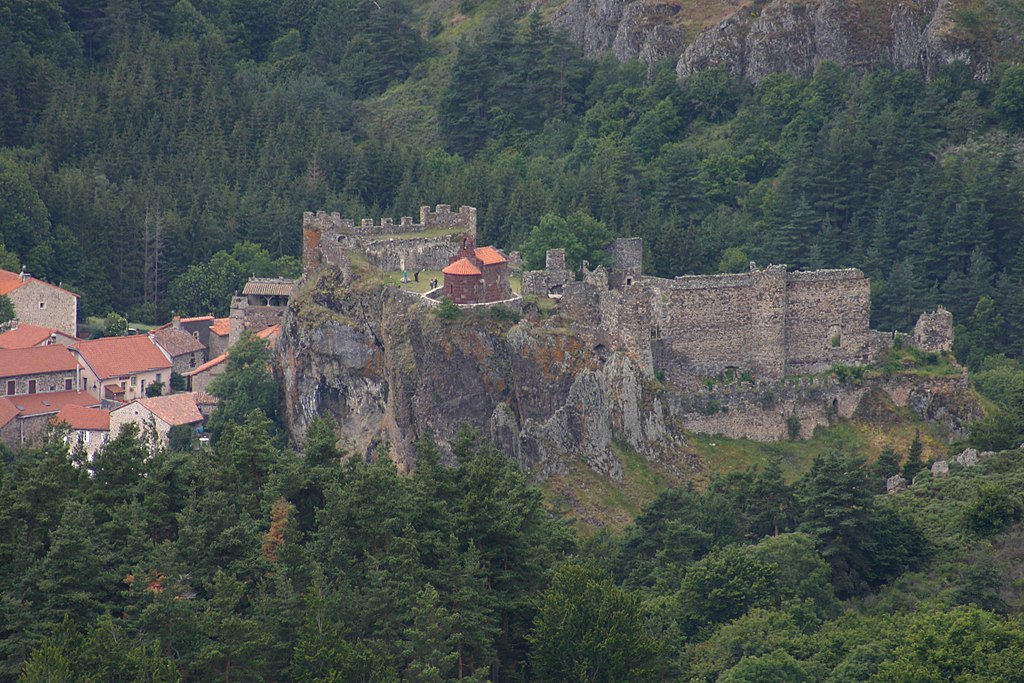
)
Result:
{"points": [[386, 368], [757, 39]]}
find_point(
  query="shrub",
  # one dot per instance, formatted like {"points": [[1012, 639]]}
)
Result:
{"points": [[447, 310], [793, 427], [993, 510]]}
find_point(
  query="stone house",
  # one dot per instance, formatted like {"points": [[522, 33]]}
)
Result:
{"points": [[24, 419], [89, 428], [22, 336], [40, 303], [120, 368], [157, 415], [476, 275], [220, 335], [37, 369], [262, 304], [200, 378], [184, 349]]}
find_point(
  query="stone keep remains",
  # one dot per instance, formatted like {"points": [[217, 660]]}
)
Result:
{"points": [[769, 323], [327, 238]]}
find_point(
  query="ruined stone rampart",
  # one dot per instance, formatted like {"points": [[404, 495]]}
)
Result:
{"points": [[327, 239]]}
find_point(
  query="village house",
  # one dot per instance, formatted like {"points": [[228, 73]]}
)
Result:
{"points": [[120, 368], [37, 369], [22, 336], [262, 304], [220, 335], [156, 416], [476, 275], [40, 303], [24, 419], [184, 349], [88, 428]]}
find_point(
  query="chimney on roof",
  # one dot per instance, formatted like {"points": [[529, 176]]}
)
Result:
{"points": [[176, 322], [23, 275]]}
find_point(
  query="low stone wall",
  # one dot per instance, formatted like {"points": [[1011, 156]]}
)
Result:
{"points": [[763, 411]]}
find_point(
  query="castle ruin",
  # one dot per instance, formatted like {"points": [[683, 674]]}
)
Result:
{"points": [[327, 239], [767, 324]]}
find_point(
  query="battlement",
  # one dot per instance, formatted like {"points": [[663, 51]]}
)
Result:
{"points": [[328, 236]]}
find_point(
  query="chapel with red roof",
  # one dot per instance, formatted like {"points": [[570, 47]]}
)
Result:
{"points": [[476, 275]]}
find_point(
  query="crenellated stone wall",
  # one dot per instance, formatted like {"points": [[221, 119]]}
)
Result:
{"points": [[327, 239]]}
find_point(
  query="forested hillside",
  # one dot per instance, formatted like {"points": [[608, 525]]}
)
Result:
{"points": [[154, 154], [144, 137]]}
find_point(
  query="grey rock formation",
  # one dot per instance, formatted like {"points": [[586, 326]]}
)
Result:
{"points": [[895, 484], [968, 458], [780, 36], [940, 468], [629, 29]]}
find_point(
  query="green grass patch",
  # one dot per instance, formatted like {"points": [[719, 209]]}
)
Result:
{"points": [[596, 501]]}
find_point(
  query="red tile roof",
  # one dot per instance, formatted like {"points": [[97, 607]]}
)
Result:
{"points": [[49, 402], [269, 332], [35, 360], [80, 417], [269, 286], [462, 267], [221, 326], [207, 365], [176, 409], [177, 342], [489, 256], [11, 281], [118, 356], [7, 412], [25, 335], [197, 319]]}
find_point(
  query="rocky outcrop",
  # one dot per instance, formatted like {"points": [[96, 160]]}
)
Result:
{"points": [[761, 38], [387, 369], [626, 28]]}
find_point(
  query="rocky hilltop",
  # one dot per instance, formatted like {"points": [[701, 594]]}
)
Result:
{"points": [[757, 39], [542, 385]]}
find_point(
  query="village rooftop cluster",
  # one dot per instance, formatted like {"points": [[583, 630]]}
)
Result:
{"points": [[157, 381]]}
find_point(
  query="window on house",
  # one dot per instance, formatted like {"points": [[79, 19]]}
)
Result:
{"points": [[134, 380], [42, 305], [196, 334], [191, 361], [12, 387], [159, 377], [31, 386], [85, 383], [69, 384]]}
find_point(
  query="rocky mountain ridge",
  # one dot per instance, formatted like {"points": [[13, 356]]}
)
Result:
{"points": [[760, 38]]}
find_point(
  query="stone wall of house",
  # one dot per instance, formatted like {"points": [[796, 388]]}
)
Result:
{"points": [[245, 316], [186, 362], [42, 304], [45, 381]]}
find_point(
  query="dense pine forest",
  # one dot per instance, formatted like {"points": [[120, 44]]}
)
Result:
{"points": [[154, 154]]}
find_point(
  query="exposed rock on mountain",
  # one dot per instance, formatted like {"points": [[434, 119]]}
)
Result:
{"points": [[757, 39]]}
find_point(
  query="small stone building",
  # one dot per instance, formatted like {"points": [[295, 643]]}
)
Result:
{"points": [[262, 304], [40, 303], [89, 428], [37, 369], [157, 415], [24, 419], [185, 350], [476, 275]]}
